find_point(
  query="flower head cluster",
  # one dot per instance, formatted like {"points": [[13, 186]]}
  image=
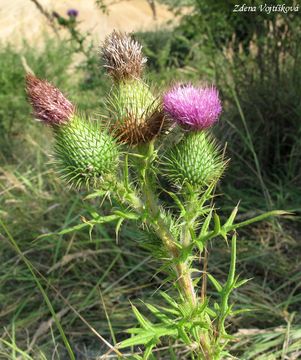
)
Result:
{"points": [[122, 56], [191, 107], [72, 13], [49, 104]]}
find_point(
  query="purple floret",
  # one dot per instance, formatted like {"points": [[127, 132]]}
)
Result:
{"points": [[192, 107], [72, 12]]}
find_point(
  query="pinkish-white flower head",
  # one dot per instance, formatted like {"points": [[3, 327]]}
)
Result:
{"points": [[195, 108]]}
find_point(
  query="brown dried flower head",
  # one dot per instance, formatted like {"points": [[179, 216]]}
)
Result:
{"points": [[49, 104], [134, 132], [136, 116], [122, 56]]}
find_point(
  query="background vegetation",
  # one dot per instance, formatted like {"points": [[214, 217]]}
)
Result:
{"points": [[87, 277]]}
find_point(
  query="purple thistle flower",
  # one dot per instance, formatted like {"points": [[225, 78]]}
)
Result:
{"points": [[195, 108], [72, 13]]}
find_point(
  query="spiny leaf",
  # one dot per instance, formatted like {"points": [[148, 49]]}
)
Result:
{"points": [[141, 339], [215, 283], [147, 336], [148, 350], [141, 319], [98, 220], [160, 315], [206, 224], [241, 283], [126, 215], [217, 224], [259, 218], [231, 218]]}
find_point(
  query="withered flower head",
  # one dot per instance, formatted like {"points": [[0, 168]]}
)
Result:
{"points": [[122, 56], [133, 132], [49, 104], [136, 116]]}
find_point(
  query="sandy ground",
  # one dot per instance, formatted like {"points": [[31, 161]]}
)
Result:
{"points": [[21, 19]]}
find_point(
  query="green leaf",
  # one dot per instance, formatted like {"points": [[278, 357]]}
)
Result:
{"points": [[117, 228], [200, 246], [96, 220], [148, 336], [241, 311], [217, 224], [141, 319], [184, 336], [135, 331], [259, 218], [161, 316], [141, 339], [241, 283], [211, 312], [126, 215], [178, 202], [74, 228], [206, 224], [148, 350], [231, 218], [216, 306], [99, 193], [170, 300]]}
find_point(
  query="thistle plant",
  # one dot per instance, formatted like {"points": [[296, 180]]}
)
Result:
{"points": [[151, 144]]}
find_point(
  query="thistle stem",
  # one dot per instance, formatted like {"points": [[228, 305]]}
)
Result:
{"points": [[227, 288], [162, 230], [190, 216]]}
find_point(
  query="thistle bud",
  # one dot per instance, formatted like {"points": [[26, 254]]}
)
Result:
{"points": [[193, 108], [49, 104], [84, 155], [122, 56], [135, 114], [195, 160]]}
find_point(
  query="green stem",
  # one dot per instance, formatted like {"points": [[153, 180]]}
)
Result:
{"points": [[159, 225], [190, 216], [227, 288], [162, 230]]}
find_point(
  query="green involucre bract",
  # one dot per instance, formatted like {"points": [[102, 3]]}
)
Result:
{"points": [[136, 115], [195, 160], [84, 153], [132, 98]]}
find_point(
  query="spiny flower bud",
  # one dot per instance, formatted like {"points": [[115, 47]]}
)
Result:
{"points": [[195, 160], [136, 115], [122, 56], [49, 104], [191, 107], [84, 154]]}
